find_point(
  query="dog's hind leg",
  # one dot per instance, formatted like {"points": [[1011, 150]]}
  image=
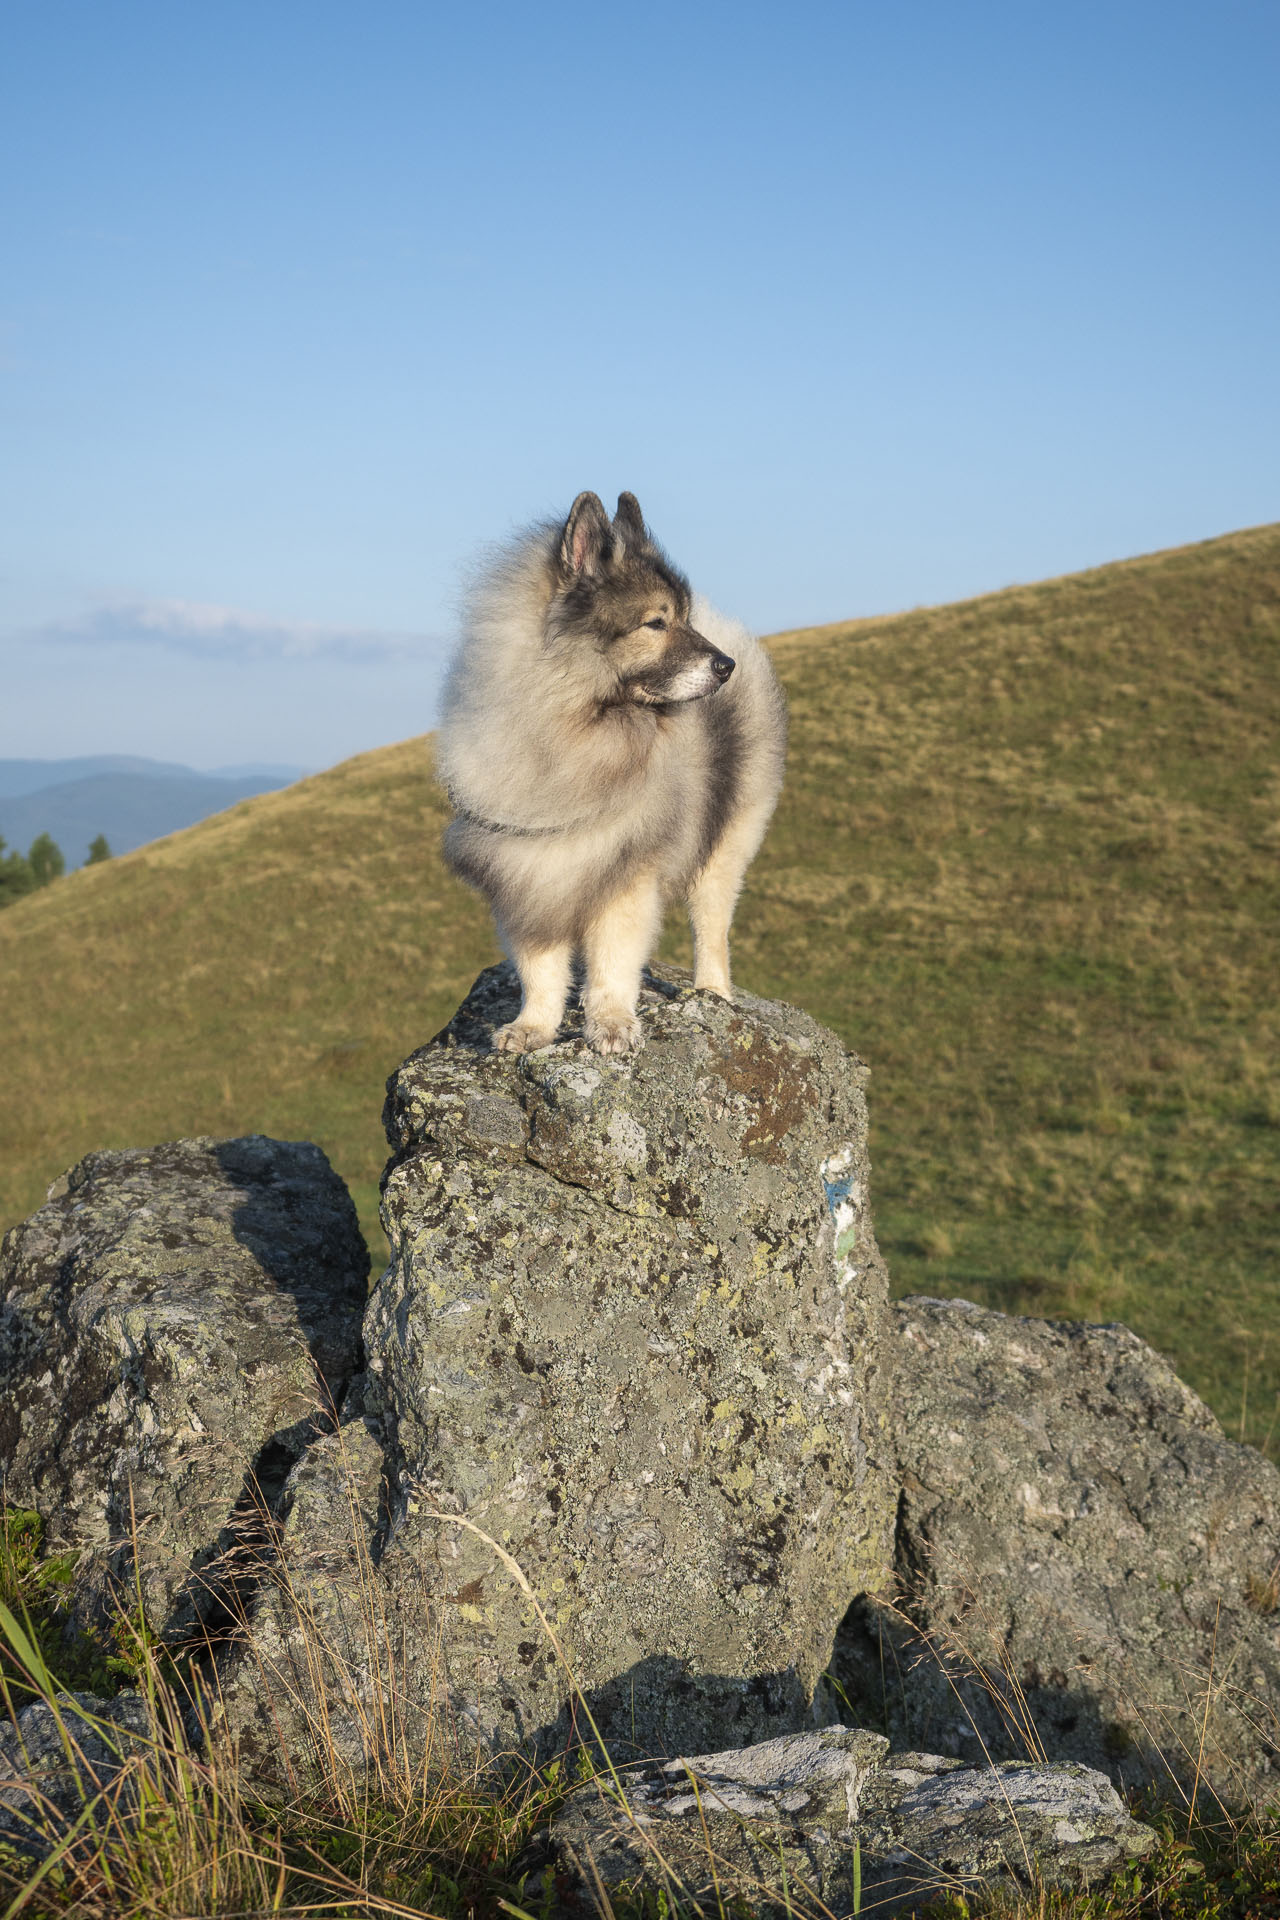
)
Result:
{"points": [[544, 987], [714, 895], [617, 944]]}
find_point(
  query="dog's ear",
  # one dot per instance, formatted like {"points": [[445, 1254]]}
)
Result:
{"points": [[587, 539], [628, 521]]}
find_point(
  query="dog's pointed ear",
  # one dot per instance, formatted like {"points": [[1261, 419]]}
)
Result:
{"points": [[628, 521], [587, 537]]}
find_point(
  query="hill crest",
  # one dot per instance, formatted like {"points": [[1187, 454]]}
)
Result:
{"points": [[1025, 863]]}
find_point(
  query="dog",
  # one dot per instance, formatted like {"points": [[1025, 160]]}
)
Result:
{"points": [[608, 744]]}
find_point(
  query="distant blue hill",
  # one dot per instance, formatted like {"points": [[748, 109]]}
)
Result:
{"points": [[29, 776], [128, 805]]}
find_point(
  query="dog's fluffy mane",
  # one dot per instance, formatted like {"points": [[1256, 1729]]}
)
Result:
{"points": [[528, 728]]}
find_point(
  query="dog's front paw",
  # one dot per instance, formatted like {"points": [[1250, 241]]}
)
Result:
{"points": [[519, 1037], [614, 1032]]}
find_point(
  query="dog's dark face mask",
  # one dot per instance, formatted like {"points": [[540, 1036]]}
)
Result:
{"points": [[617, 592]]}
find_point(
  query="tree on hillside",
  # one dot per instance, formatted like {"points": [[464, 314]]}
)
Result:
{"points": [[98, 850], [44, 857], [16, 877]]}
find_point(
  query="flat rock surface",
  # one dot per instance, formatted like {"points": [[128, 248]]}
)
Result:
{"points": [[1094, 1566], [786, 1825], [631, 1339], [170, 1323]]}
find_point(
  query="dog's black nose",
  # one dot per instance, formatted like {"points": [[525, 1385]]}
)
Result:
{"points": [[722, 666]]}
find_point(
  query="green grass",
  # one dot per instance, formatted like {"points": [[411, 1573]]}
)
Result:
{"points": [[1026, 863]]}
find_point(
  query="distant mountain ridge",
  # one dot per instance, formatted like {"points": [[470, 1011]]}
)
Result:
{"points": [[128, 799], [32, 776], [18, 777]]}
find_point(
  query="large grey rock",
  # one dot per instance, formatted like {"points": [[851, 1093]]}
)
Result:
{"points": [[786, 1826], [629, 1344], [171, 1321], [62, 1756], [1087, 1566]]}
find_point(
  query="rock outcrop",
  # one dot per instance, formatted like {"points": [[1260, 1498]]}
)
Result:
{"points": [[828, 1823], [1087, 1566], [620, 1456], [625, 1431], [173, 1322], [630, 1342]]}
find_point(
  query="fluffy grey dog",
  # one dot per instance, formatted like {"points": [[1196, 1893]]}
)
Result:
{"points": [[608, 743]]}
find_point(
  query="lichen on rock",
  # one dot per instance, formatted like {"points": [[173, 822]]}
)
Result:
{"points": [[631, 1336], [1086, 1565], [174, 1321]]}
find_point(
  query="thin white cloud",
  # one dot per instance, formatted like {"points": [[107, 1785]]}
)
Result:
{"points": [[213, 632]]}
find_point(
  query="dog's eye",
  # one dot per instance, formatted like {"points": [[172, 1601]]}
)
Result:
{"points": [[658, 625]]}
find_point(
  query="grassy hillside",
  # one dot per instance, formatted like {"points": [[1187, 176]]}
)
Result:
{"points": [[1026, 863]]}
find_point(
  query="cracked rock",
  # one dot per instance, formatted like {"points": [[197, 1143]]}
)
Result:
{"points": [[330, 1665], [787, 1825], [171, 1321]]}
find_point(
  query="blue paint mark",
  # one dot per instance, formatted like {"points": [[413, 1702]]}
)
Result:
{"points": [[837, 1190]]}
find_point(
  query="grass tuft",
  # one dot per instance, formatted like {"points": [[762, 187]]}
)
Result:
{"points": [[177, 1835]]}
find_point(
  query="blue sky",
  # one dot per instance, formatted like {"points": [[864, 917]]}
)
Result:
{"points": [[872, 305]]}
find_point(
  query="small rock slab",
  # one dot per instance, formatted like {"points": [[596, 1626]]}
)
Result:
{"points": [[829, 1822], [172, 1321]]}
